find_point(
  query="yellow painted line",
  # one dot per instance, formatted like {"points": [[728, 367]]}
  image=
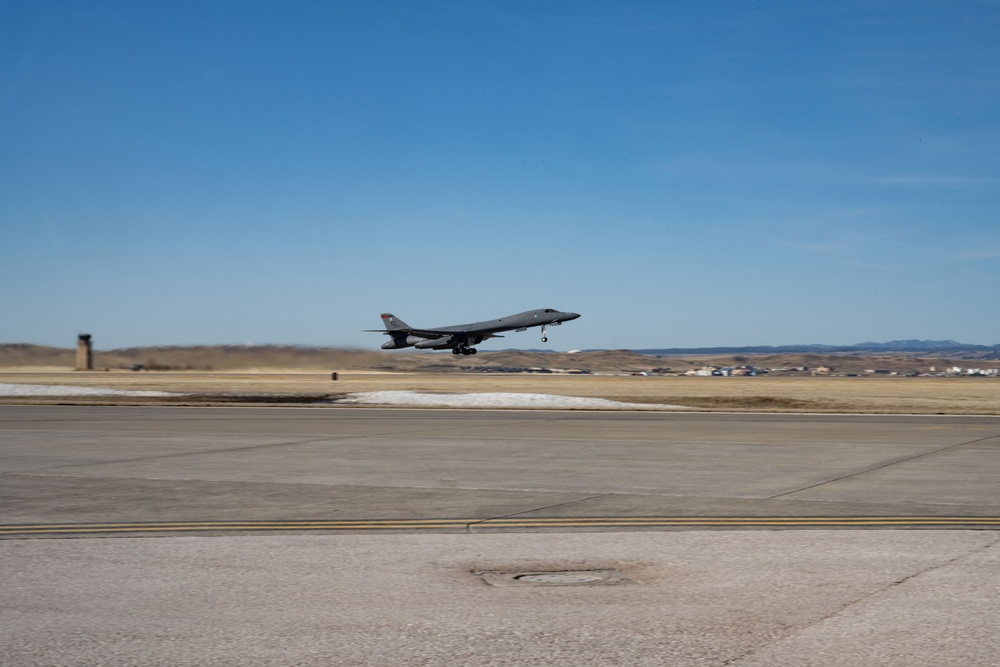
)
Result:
{"points": [[486, 524], [751, 520], [231, 525], [238, 524]]}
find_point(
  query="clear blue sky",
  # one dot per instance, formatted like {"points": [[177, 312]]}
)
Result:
{"points": [[681, 173]]}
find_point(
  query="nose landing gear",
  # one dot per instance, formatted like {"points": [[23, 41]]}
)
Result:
{"points": [[545, 338]]}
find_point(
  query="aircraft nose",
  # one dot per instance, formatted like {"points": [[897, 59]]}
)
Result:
{"points": [[570, 316]]}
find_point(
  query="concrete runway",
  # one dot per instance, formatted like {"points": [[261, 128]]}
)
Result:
{"points": [[332, 536]]}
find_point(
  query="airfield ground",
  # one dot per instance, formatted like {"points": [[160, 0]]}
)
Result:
{"points": [[366, 536], [375, 536], [430, 538], [866, 395]]}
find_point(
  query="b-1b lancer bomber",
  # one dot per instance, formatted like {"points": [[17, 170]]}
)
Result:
{"points": [[461, 337]]}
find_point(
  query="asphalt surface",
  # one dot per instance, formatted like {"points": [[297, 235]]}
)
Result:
{"points": [[367, 536]]}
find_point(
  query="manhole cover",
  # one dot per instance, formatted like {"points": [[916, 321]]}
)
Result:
{"points": [[556, 578]]}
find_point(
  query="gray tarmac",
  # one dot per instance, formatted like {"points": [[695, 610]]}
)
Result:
{"points": [[249, 536]]}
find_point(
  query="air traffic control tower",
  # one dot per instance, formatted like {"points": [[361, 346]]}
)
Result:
{"points": [[84, 353]]}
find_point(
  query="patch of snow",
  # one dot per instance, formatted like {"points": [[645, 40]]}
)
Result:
{"points": [[55, 390], [496, 400]]}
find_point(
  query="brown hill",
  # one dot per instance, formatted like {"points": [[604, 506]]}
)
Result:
{"points": [[235, 358], [36, 355], [198, 357]]}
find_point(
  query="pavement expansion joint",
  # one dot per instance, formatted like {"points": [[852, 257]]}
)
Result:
{"points": [[534, 524]]}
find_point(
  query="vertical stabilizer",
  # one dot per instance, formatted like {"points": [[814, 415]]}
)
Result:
{"points": [[393, 323]]}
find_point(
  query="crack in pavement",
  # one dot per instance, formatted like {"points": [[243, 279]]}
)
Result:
{"points": [[794, 630], [905, 459], [472, 524], [253, 447]]}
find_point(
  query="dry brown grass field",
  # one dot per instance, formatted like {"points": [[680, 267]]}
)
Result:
{"points": [[874, 395], [214, 375]]}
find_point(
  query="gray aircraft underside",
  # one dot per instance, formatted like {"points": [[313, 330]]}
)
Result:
{"points": [[461, 337]]}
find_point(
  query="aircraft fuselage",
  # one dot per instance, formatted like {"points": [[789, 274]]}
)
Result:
{"points": [[461, 337]]}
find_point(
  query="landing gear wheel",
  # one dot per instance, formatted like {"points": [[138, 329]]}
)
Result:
{"points": [[456, 351], [472, 350], [545, 339]]}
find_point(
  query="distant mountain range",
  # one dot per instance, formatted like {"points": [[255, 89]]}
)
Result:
{"points": [[939, 348]]}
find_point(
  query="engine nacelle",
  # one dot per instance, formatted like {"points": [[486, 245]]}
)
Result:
{"points": [[435, 343], [401, 342]]}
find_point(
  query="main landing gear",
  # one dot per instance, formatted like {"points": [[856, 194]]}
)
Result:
{"points": [[463, 349]]}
